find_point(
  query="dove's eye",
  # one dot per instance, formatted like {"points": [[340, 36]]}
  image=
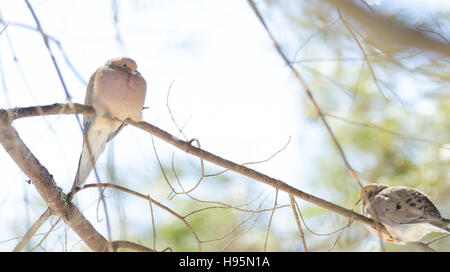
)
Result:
{"points": [[124, 65]]}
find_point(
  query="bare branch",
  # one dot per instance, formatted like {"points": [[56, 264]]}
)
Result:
{"points": [[422, 246], [127, 244], [363, 52], [297, 221], [153, 224], [123, 189], [270, 219]]}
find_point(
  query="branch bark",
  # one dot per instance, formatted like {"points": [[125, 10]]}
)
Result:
{"points": [[130, 245]]}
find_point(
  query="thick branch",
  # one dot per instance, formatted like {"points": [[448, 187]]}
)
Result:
{"points": [[130, 245], [57, 108]]}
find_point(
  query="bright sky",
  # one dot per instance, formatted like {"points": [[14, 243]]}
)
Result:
{"points": [[228, 81]]}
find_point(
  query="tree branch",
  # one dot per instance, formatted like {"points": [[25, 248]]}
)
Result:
{"points": [[297, 221], [422, 246], [127, 244]]}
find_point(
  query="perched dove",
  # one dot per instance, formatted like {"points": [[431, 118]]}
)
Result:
{"points": [[406, 213], [116, 90]]}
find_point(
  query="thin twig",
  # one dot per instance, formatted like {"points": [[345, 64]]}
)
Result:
{"points": [[123, 189], [256, 162], [438, 238], [248, 229], [384, 130], [4, 28], [422, 246], [115, 12], [180, 130], [270, 220], [153, 224], [339, 235], [46, 234], [363, 52], [234, 229], [32, 230], [297, 221]]}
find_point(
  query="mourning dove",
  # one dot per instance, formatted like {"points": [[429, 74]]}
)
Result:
{"points": [[406, 213], [116, 90]]}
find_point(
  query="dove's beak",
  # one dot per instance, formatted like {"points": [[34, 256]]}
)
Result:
{"points": [[357, 202]]}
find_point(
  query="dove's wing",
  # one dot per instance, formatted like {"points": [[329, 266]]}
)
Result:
{"points": [[403, 205], [89, 98]]}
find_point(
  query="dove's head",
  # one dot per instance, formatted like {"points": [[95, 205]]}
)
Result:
{"points": [[369, 191], [123, 63]]}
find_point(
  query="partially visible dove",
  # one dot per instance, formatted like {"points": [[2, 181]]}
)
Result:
{"points": [[406, 213], [115, 90]]}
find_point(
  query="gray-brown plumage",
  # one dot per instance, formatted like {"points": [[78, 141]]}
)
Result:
{"points": [[406, 213], [116, 90]]}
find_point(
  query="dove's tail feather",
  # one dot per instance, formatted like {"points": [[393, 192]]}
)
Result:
{"points": [[97, 139], [442, 223], [447, 222], [85, 164]]}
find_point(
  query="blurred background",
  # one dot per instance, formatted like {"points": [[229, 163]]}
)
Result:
{"points": [[213, 72]]}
